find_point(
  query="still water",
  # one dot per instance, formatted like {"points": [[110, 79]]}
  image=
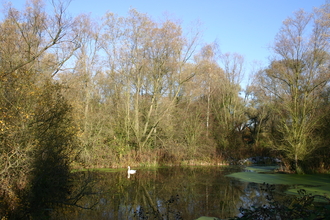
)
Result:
{"points": [[164, 193]]}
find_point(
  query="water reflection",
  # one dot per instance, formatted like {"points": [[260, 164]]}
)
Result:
{"points": [[166, 193]]}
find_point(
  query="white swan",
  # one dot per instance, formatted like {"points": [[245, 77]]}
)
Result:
{"points": [[130, 171]]}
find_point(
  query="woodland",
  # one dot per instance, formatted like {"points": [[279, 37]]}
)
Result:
{"points": [[76, 92]]}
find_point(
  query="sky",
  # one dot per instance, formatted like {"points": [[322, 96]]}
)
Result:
{"points": [[246, 27]]}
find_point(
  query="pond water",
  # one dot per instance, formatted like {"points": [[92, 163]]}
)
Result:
{"points": [[165, 193]]}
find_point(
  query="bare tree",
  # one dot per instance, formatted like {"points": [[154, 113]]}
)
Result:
{"points": [[207, 67], [148, 60], [227, 104], [294, 82]]}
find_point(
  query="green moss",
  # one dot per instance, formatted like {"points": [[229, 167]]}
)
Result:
{"points": [[313, 183], [323, 190]]}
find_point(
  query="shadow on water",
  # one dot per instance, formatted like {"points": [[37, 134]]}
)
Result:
{"points": [[166, 193]]}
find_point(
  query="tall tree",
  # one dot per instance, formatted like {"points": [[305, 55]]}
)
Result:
{"points": [[208, 67], [294, 82], [81, 81], [36, 129], [147, 62], [227, 104]]}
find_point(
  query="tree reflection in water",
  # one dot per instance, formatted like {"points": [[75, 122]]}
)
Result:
{"points": [[166, 193]]}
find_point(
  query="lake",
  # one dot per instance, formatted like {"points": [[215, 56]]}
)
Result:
{"points": [[165, 193]]}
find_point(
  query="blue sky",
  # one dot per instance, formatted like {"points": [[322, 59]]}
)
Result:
{"points": [[246, 27]]}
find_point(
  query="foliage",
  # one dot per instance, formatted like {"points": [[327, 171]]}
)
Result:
{"points": [[37, 133], [290, 88], [54, 134]]}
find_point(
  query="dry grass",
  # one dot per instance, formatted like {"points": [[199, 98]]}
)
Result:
{"points": [[173, 155]]}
